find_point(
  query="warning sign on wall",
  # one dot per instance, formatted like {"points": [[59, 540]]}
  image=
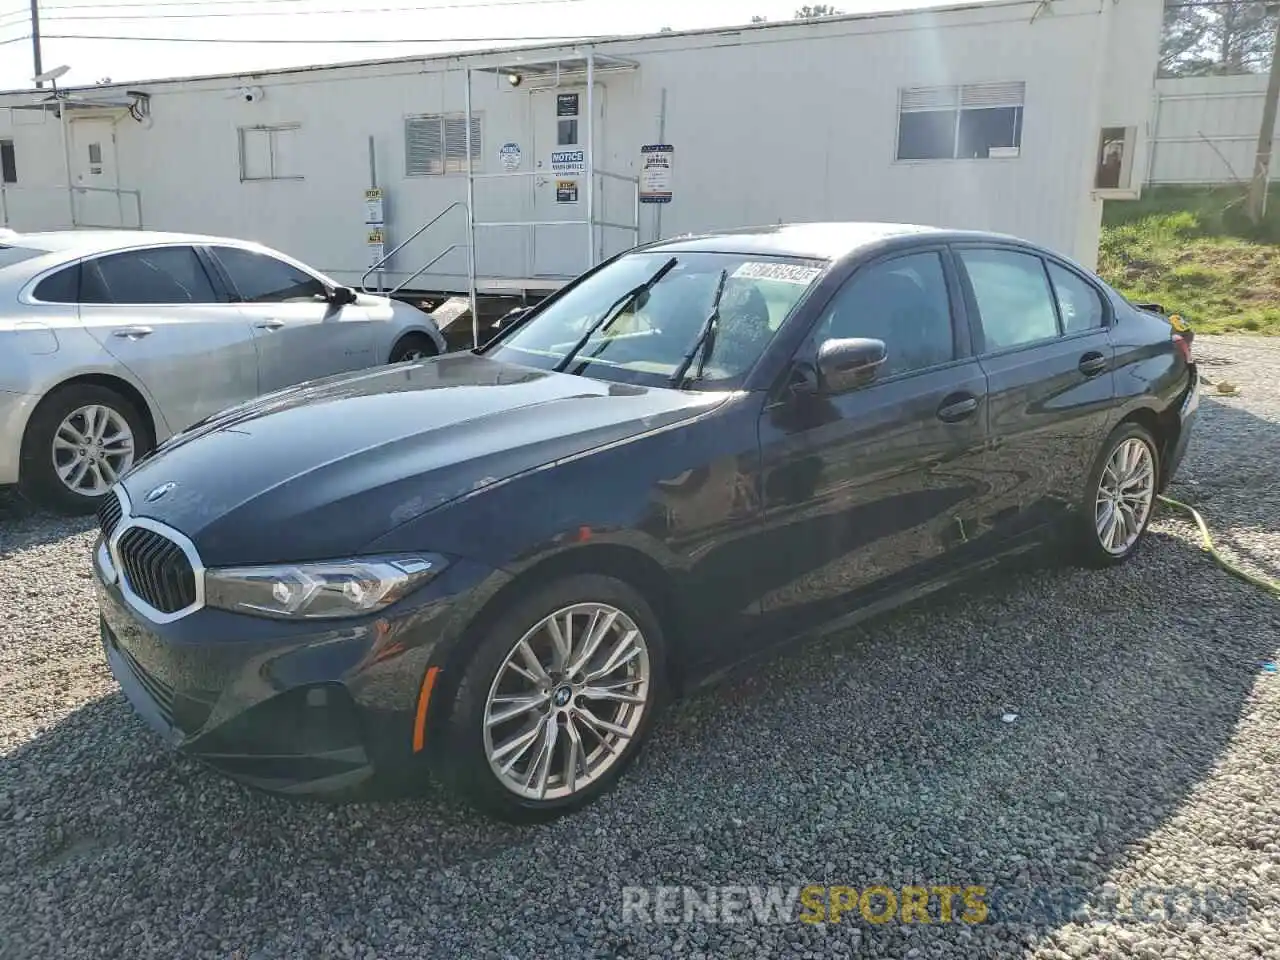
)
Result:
{"points": [[566, 191], [656, 160]]}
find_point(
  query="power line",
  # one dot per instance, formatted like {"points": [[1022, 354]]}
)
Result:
{"points": [[25, 36], [342, 40], [106, 8], [274, 13]]}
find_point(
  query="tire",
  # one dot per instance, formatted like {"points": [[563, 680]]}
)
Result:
{"points": [[413, 346], [468, 740], [1093, 552], [38, 478]]}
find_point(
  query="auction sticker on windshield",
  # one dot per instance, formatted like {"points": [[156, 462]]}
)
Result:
{"points": [[785, 272]]}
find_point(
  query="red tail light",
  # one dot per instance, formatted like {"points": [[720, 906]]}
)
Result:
{"points": [[1183, 343]]}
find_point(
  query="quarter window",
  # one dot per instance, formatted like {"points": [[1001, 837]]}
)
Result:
{"points": [[60, 287], [161, 275], [259, 278], [1013, 297], [1078, 302], [903, 302]]}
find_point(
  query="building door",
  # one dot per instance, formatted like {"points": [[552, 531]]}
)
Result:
{"points": [[560, 185], [94, 175]]}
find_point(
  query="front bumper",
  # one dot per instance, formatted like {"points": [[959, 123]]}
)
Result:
{"points": [[298, 708], [15, 411]]}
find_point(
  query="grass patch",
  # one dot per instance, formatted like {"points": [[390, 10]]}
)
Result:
{"points": [[1191, 250]]}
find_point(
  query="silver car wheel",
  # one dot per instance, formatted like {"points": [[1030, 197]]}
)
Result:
{"points": [[1125, 494], [565, 702], [91, 448]]}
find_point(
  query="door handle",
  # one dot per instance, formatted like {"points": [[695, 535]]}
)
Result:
{"points": [[270, 325], [957, 407], [132, 333], [1093, 363]]}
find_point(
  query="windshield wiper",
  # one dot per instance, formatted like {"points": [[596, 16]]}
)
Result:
{"points": [[615, 309], [706, 338]]}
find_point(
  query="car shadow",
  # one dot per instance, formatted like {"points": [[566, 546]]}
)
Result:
{"points": [[23, 525], [1030, 730]]}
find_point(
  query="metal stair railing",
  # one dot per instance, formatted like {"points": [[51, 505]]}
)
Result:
{"points": [[380, 262]]}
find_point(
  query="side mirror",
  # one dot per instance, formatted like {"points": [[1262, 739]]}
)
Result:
{"points": [[513, 316], [341, 296], [846, 364]]}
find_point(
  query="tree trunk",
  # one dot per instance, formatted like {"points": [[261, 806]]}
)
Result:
{"points": [[1256, 205]]}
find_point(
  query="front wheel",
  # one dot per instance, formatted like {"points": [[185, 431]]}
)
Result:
{"points": [[557, 699], [413, 346], [1120, 497]]}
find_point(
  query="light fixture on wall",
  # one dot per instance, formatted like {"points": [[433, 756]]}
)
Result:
{"points": [[514, 79]]}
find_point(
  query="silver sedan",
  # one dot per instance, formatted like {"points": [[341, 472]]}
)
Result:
{"points": [[110, 341]]}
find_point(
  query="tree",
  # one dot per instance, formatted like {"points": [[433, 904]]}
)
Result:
{"points": [[1202, 39], [816, 10]]}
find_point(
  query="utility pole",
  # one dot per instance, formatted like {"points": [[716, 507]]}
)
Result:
{"points": [[1256, 204], [35, 42]]}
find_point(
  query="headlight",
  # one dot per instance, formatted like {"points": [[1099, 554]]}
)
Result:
{"points": [[318, 591]]}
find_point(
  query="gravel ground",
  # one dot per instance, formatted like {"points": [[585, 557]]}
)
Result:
{"points": [[1143, 755]]}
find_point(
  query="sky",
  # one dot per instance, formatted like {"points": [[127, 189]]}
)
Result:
{"points": [[222, 26]]}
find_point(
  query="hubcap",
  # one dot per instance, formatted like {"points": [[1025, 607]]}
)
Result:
{"points": [[92, 447], [1125, 494], [567, 699]]}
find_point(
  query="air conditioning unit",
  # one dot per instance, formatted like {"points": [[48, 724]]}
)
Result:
{"points": [[1114, 174]]}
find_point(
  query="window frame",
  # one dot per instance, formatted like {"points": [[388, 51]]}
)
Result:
{"points": [[270, 129], [976, 331], [807, 349], [959, 109], [477, 153]]}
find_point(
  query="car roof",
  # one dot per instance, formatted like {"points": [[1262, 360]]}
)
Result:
{"points": [[826, 241], [84, 242]]}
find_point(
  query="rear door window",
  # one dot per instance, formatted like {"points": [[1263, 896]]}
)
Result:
{"points": [[162, 275], [1078, 302], [1013, 297]]}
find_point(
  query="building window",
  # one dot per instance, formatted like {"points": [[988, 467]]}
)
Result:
{"points": [[270, 153], [8, 162], [436, 144], [966, 122]]}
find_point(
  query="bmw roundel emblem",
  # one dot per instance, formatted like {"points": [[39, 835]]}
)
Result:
{"points": [[159, 492]]}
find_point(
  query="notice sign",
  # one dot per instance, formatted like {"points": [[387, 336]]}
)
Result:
{"points": [[566, 104], [566, 191], [568, 161], [376, 241], [509, 155], [656, 161], [373, 209]]}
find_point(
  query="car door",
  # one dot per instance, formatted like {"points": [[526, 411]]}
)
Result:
{"points": [[867, 490], [158, 312], [1039, 328], [300, 334]]}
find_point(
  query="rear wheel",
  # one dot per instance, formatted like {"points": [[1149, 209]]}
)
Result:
{"points": [[557, 699], [79, 441], [413, 346], [1120, 497]]}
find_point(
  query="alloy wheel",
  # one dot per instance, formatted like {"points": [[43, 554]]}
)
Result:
{"points": [[566, 701], [92, 447], [1126, 491]]}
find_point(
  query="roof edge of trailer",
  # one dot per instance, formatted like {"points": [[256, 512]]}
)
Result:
{"points": [[597, 41]]}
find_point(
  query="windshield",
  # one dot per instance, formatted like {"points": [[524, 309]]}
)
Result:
{"points": [[648, 335]]}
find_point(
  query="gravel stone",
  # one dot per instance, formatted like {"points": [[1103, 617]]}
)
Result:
{"points": [[1144, 756]]}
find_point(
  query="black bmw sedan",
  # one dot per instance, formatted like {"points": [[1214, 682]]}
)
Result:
{"points": [[496, 565]]}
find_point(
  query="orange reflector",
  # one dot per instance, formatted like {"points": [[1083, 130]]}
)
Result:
{"points": [[424, 698]]}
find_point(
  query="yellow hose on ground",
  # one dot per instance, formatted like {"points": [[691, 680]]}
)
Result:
{"points": [[1269, 585]]}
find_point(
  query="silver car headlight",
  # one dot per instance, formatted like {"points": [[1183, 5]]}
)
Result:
{"points": [[319, 591]]}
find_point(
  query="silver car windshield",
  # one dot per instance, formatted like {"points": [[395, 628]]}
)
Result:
{"points": [[608, 327]]}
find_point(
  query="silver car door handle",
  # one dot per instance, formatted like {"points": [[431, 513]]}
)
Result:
{"points": [[270, 325], [132, 333]]}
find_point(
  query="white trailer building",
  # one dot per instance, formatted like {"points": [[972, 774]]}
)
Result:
{"points": [[992, 115]]}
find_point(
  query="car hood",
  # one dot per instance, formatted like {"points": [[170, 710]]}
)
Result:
{"points": [[320, 470]]}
